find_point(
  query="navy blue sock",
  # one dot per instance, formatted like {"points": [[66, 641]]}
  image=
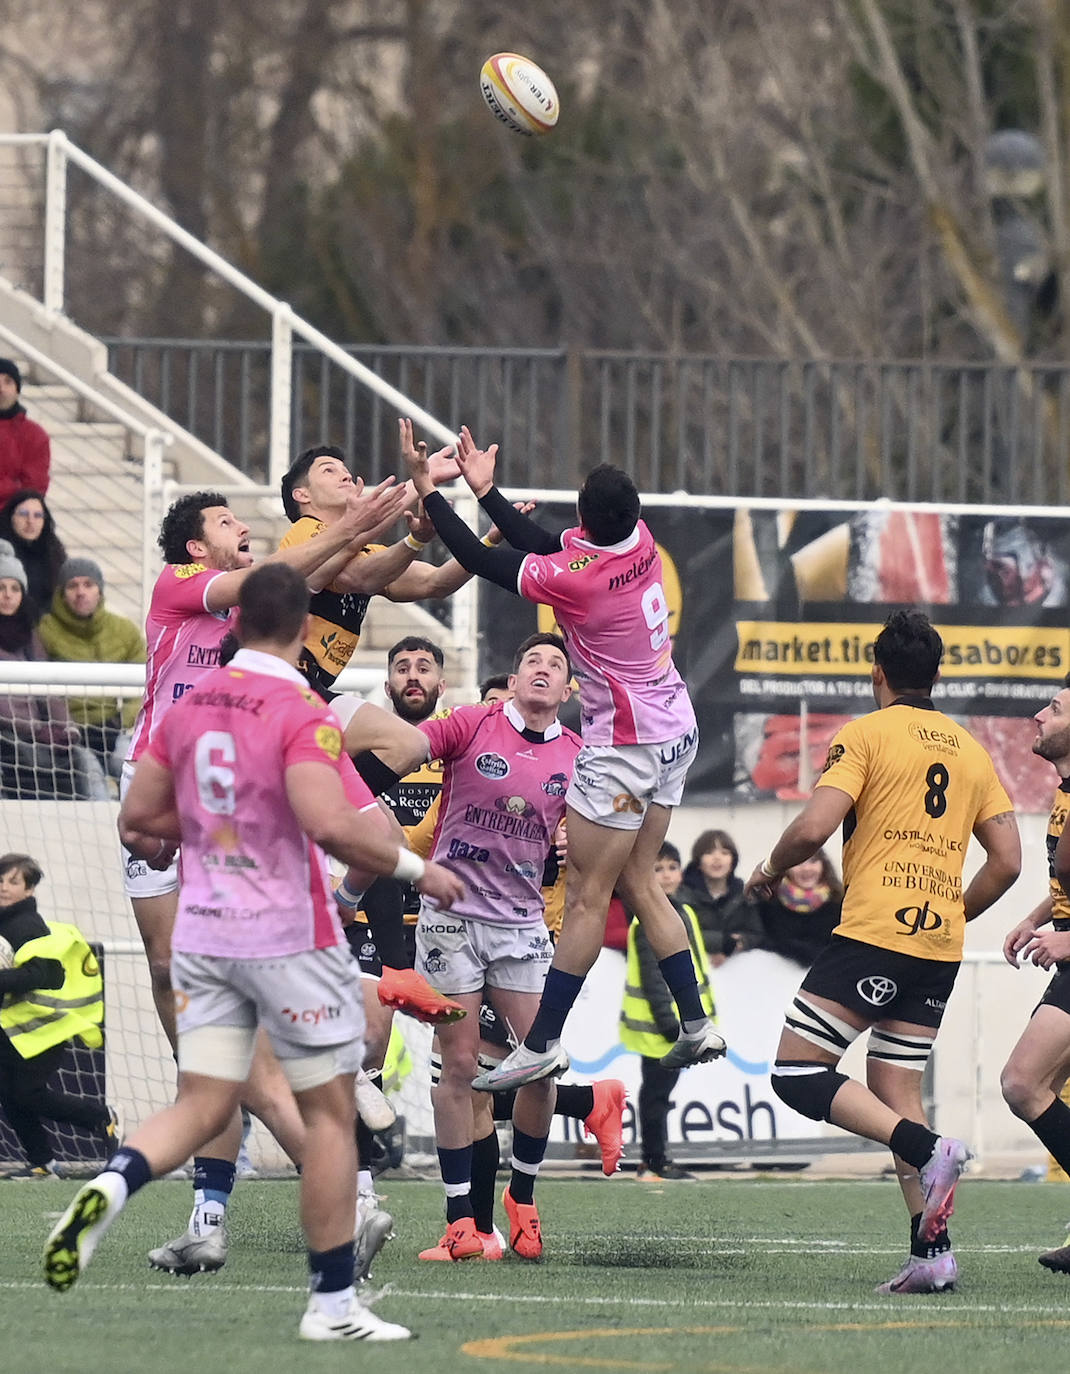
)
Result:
{"points": [[558, 995], [213, 1179], [679, 974], [133, 1166], [528, 1153], [456, 1169], [331, 1271]]}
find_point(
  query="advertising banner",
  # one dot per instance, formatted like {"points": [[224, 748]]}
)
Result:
{"points": [[774, 613]]}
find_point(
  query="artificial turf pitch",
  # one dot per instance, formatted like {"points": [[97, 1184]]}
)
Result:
{"points": [[730, 1274]]}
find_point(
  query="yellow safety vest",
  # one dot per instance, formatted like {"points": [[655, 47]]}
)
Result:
{"points": [[397, 1065], [638, 1029], [34, 1021]]}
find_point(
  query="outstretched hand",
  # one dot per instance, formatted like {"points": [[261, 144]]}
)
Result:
{"points": [[414, 456], [760, 887], [372, 512], [476, 464]]}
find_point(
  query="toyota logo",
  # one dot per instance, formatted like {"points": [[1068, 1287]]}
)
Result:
{"points": [[878, 992]]}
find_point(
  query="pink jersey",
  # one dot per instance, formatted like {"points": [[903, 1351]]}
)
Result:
{"points": [[610, 604], [503, 796], [252, 883], [183, 639]]}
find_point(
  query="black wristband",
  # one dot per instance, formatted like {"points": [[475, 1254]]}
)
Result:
{"points": [[375, 773]]}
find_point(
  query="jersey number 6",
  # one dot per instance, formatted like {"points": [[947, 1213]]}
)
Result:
{"points": [[215, 781]]}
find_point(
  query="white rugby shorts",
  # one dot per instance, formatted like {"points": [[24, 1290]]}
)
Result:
{"points": [[306, 1002], [456, 954], [139, 880], [613, 784]]}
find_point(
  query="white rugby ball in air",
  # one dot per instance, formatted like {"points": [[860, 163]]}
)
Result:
{"points": [[519, 93]]}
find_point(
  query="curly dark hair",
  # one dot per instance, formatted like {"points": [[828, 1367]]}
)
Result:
{"points": [[185, 521]]}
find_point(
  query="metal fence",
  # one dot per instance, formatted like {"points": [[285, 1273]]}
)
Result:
{"points": [[744, 427]]}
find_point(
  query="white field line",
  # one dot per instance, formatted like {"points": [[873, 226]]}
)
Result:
{"points": [[945, 1305]]}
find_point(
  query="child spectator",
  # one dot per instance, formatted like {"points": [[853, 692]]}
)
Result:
{"points": [[25, 450], [648, 1023], [798, 922], [40, 746], [79, 629], [26, 523], [729, 924]]}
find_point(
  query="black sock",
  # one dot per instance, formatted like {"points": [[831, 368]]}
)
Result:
{"points": [[913, 1142], [573, 1099], [1052, 1129], [331, 1271], [384, 906], [486, 1156], [927, 1249], [365, 1140]]}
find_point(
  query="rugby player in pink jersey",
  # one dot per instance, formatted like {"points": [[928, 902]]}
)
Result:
{"points": [[506, 769], [245, 773], [603, 580], [207, 555]]}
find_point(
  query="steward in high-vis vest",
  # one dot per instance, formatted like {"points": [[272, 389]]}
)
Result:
{"points": [[40, 1017], [648, 1025], [52, 994]]}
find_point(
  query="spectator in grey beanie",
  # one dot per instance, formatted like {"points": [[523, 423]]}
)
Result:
{"points": [[25, 450], [79, 629]]}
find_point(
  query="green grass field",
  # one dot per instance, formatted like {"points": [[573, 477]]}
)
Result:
{"points": [[730, 1274]]}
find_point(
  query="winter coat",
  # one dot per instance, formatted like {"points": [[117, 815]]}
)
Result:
{"points": [[25, 454], [799, 935], [103, 637], [720, 918]]}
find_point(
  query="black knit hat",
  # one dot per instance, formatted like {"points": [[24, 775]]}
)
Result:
{"points": [[10, 369]]}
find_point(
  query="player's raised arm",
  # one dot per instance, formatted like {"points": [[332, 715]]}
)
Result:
{"points": [[803, 838], [366, 515], [477, 467], [316, 796]]}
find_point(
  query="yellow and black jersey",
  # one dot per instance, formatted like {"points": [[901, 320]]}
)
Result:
{"points": [[920, 783], [1060, 903], [337, 616]]}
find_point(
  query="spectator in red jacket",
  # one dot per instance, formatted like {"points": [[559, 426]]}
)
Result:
{"points": [[25, 451]]}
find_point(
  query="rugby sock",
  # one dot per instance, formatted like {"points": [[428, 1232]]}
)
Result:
{"points": [[213, 1183], [573, 1099], [365, 1140], [913, 1142], [330, 1277], [528, 1152], [486, 1156], [384, 906], [365, 1182], [927, 1249], [558, 995], [678, 970], [456, 1169], [1052, 1129], [132, 1170]]}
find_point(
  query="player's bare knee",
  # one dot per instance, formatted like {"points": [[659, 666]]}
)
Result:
{"points": [[1024, 1096]]}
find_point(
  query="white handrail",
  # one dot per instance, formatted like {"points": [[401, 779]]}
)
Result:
{"points": [[128, 679]]}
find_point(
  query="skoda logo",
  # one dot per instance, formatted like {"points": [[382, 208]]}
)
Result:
{"points": [[878, 992]]}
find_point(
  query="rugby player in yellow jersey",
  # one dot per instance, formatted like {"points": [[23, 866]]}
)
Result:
{"points": [[1039, 1063], [314, 495], [910, 786]]}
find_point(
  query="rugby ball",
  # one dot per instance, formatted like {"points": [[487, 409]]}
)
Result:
{"points": [[7, 954], [519, 93]]}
